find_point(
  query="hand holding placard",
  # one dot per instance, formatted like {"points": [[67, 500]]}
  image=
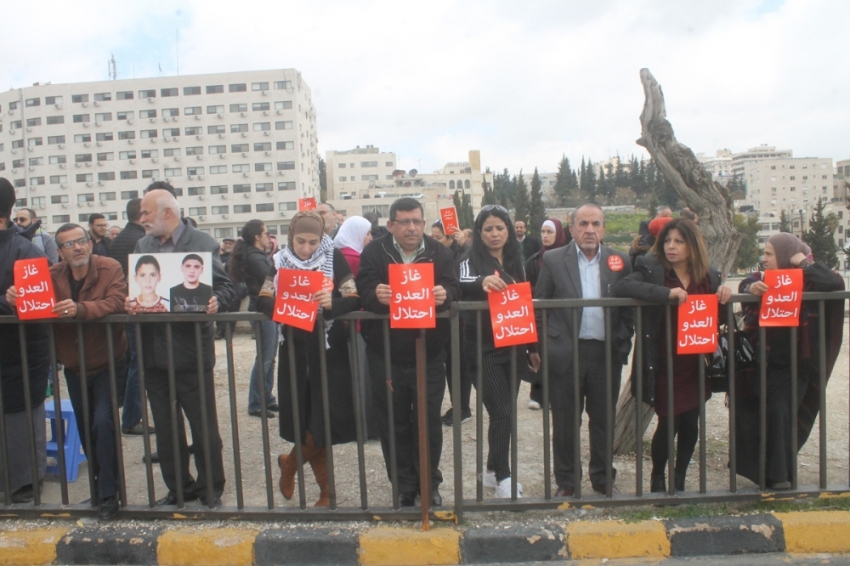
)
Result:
{"points": [[34, 288], [780, 304], [412, 301], [449, 218], [294, 304], [697, 332], [512, 315]]}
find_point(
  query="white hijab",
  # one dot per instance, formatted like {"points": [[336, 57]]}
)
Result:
{"points": [[352, 233]]}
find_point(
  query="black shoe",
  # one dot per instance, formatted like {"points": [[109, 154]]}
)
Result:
{"points": [[465, 416], [658, 483], [137, 430], [680, 481], [436, 499], [216, 505], [258, 413], [108, 509], [565, 491], [448, 418], [25, 494], [407, 499], [171, 498], [154, 458], [274, 408]]}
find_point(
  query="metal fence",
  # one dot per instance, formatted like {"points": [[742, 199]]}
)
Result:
{"points": [[462, 474]]}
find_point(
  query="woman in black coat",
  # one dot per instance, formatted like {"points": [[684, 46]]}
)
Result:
{"points": [[676, 266], [310, 249], [786, 251]]}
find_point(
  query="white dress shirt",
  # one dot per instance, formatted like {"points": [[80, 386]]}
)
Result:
{"points": [[592, 318]]}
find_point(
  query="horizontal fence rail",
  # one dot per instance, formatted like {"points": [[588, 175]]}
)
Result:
{"points": [[257, 497]]}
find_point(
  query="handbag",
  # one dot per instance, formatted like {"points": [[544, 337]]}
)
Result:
{"points": [[717, 364]]}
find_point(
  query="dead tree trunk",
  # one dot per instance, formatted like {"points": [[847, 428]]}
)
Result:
{"points": [[694, 185]]}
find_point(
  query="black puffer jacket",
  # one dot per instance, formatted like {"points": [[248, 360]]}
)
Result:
{"points": [[13, 247], [258, 266]]}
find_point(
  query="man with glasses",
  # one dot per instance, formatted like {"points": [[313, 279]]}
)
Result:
{"points": [[328, 214], [407, 243], [98, 226], [31, 229], [88, 287]]}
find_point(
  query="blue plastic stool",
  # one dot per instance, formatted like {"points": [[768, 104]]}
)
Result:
{"points": [[74, 455]]}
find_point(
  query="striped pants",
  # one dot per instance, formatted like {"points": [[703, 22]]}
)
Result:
{"points": [[497, 398]]}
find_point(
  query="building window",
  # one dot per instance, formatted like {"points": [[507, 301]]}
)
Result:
{"points": [[191, 90], [265, 207], [36, 181], [61, 218], [56, 159], [80, 118], [262, 126], [239, 87], [105, 136], [259, 106], [286, 186], [373, 178], [36, 161], [103, 117], [33, 122], [168, 92], [108, 176], [125, 95], [127, 195], [215, 109], [193, 131], [283, 105], [58, 199], [236, 128], [171, 132], [218, 169], [150, 93], [149, 153], [17, 144], [263, 146], [213, 149], [197, 210], [126, 135], [150, 174], [215, 129], [262, 166], [368, 164], [215, 89], [85, 197], [286, 125], [239, 148], [77, 98], [285, 165], [194, 170], [280, 85], [106, 156], [106, 196], [53, 140], [127, 115], [241, 188], [389, 164], [287, 206], [170, 112], [260, 86], [264, 187], [238, 107], [82, 158], [197, 191], [192, 110], [285, 145], [147, 113], [35, 141], [241, 208], [85, 178], [218, 190], [53, 100], [195, 150], [221, 209], [223, 232], [103, 96], [125, 175], [242, 168], [58, 179], [33, 102], [174, 172], [147, 134]]}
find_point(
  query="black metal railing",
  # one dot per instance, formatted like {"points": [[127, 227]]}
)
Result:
{"points": [[460, 500]]}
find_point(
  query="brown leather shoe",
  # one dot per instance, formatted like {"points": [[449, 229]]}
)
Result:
{"points": [[564, 492], [319, 463], [287, 466]]}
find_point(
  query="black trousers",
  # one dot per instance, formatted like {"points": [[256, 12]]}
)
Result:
{"points": [[405, 417], [686, 431], [188, 400], [593, 396], [102, 426], [466, 352], [497, 398]]}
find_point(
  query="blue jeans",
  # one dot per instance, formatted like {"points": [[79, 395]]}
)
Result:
{"points": [[132, 412], [267, 336]]}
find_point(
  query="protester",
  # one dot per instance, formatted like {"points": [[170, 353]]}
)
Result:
{"points": [[24, 481], [31, 229], [309, 248], [250, 265], [493, 263], [586, 270], [677, 266], [98, 227], [168, 233], [529, 245], [354, 235], [406, 243], [786, 251], [328, 213]]}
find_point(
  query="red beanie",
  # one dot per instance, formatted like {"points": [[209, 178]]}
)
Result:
{"points": [[657, 224]]}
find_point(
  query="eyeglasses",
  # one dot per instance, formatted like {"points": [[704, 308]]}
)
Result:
{"points": [[70, 243], [489, 207], [21, 219], [408, 221]]}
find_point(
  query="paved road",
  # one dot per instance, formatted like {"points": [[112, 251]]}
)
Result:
{"points": [[739, 560]]}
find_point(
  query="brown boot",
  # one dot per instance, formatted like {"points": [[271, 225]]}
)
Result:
{"points": [[288, 465], [319, 463]]}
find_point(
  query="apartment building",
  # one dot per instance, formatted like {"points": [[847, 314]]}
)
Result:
{"points": [[236, 146], [720, 166], [789, 184], [350, 173], [754, 154]]}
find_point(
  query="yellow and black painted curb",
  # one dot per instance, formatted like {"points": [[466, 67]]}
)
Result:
{"points": [[162, 543]]}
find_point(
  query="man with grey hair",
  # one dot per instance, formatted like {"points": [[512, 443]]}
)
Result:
{"points": [[328, 213], [664, 211], [584, 270], [30, 227], [167, 232]]}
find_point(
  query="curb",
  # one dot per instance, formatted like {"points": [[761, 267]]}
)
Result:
{"points": [[810, 532]]}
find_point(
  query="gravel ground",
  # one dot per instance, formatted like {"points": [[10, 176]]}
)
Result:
{"points": [[530, 457]]}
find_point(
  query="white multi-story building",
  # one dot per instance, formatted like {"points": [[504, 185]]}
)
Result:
{"points": [[764, 151], [350, 173], [720, 166], [790, 184], [236, 146]]}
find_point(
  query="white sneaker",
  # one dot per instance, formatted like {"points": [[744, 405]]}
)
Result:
{"points": [[489, 479], [534, 405], [503, 490]]}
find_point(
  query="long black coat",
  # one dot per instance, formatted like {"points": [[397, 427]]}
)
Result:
{"points": [[306, 346]]}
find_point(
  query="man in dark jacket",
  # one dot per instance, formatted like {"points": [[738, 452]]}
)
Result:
{"points": [[168, 233], [406, 243], [23, 479], [122, 246], [31, 229], [98, 228], [528, 244]]}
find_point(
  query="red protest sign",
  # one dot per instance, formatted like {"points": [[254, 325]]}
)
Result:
{"points": [[36, 297], [412, 304], [780, 304], [308, 203], [697, 333], [449, 219], [512, 315], [294, 304]]}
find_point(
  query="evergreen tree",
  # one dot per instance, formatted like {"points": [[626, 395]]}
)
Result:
{"points": [[748, 252], [820, 238], [489, 196], [784, 222], [602, 185], [323, 180], [463, 206], [609, 187], [537, 211], [619, 174], [563, 181], [588, 188], [504, 187], [521, 201]]}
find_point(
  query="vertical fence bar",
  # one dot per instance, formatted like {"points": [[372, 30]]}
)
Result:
{"points": [[577, 463], [731, 328], [146, 431], [638, 373], [116, 420], [547, 440], [671, 417], [422, 436], [822, 382], [457, 438], [175, 414], [234, 421], [609, 408], [4, 449], [794, 407], [359, 410], [205, 428], [479, 411], [296, 418], [28, 409], [326, 407], [514, 448], [702, 447], [264, 413], [388, 371], [59, 430], [762, 408], [81, 353]]}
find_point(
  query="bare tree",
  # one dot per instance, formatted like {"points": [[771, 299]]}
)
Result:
{"points": [[708, 198]]}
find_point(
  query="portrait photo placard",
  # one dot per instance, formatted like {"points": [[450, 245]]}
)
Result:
{"points": [[172, 282]]}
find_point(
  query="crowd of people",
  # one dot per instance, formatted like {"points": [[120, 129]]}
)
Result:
{"points": [[667, 262]]}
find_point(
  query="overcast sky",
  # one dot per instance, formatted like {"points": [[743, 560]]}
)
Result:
{"points": [[524, 82]]}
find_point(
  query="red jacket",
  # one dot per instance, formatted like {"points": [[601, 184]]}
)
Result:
{"points": [[103, 293]]}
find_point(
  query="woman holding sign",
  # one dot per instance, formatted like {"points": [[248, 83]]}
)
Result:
{"points": [[309, 249], [675, 267], [493, 262], [786, 251]]}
